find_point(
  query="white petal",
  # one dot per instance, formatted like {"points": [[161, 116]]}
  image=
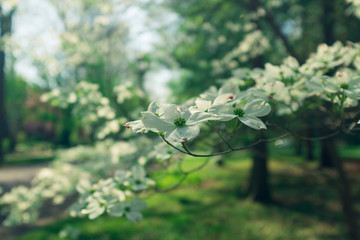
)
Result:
{"points": [[222, 109], [224, 98], [154, 123], [252, 122], [153, 107], [182, 134], [351, 94], [225, 117], [198, 117], [331, 86], [184, 112], [202, 105], [170, 112], [257, 108], [136, 126]]}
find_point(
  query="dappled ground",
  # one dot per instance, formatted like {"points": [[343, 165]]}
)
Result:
{"points": [[21, 166], [209, 205], [19, 169], [13, 175]]}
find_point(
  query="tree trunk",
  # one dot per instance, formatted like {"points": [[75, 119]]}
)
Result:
{"points": [[5, 25], [298, 145], [327, 158], [309, 144], [2, 106], [67, 128], [258, 189], [328, 21], [12, 136], [346, 197]]}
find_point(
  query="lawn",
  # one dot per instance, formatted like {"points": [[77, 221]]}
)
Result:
{"points": [[210, 205], [30, 152]]}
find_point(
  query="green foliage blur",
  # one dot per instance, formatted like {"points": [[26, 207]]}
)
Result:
{"points": [[213, 40], [211, 32]]}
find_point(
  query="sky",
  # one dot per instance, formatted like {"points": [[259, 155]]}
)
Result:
{"points": [[37, 19]]}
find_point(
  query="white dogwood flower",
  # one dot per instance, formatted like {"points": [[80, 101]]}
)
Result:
{"points": [[178, 124], [248, 114]]}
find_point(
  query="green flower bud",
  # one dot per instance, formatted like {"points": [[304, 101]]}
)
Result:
{"points": [[344, 86], [239, 112], [179, 122]]}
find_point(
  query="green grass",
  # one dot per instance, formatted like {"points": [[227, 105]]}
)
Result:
{"points": [[30, 152], [209, 205], [349, 151], [12, 159]]}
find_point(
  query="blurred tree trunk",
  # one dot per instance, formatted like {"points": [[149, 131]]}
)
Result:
{"points": [[327, 158], [347, 200], [11, 133], [67, 128], [298, 146], [328, 20], [258, 189], [2, 105], [5, 25], [309, 145]]}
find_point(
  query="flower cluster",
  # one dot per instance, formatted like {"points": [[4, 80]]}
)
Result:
{"points": [[180, 124], [88, 105], [112, 195], [84, 99], [59, 180], [331, 74], [354, 7]]}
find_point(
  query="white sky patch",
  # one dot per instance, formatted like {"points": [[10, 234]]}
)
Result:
{"points": [[36, 27], [156, 84], [141, 38]]}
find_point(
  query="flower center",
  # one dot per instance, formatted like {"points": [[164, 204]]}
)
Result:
{"points": [[179, 122], [239, 112], [344, 85]]}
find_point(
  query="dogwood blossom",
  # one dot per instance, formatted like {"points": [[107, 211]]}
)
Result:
{"points": [[248, 114], [340, 85], [177, 124]]}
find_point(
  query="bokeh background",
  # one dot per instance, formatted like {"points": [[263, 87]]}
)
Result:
{"points": [[116, 56]]}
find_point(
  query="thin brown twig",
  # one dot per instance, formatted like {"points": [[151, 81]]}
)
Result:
{"points": [[307, 138], [187, 151]]}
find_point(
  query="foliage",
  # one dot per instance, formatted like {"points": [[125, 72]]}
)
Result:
{"points": [[218, 37]]}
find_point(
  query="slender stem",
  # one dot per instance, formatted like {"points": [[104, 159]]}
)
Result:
{"points": [[291, 132], [187, 151], [222, 138], [171, 145]]}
